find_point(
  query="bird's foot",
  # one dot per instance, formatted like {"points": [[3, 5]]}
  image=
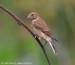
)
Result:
{"points": [[35, 36]]}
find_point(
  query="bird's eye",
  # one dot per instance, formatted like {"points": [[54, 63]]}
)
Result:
{"points": [[32, 14]]}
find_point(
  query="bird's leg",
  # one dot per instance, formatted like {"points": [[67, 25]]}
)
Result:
{"points": [[37, 37], [45, 43]]}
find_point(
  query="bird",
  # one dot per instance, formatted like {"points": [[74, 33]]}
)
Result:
{"points": [[41, 30]]}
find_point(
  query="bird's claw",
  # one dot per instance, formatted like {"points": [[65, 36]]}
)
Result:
{"points": [[35, 36]]}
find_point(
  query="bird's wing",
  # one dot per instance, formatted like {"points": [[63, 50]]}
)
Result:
{"points": [[41, 25], [47, 33]]}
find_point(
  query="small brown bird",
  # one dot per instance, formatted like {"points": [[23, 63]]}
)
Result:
{"points": [[41, 29]]}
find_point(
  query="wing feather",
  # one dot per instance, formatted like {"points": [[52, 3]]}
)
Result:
{"points": [[41, 25]]}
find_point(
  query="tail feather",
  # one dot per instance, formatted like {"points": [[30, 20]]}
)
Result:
{"points": [[53, 47], [54, 39]]}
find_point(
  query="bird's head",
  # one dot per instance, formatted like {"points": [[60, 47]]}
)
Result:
{"points": [[33, 16]]}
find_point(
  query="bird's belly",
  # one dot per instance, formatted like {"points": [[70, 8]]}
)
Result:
{"points": [[41, 34]]}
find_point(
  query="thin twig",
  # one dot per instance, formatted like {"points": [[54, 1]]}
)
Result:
{"points": [[25, 25]]}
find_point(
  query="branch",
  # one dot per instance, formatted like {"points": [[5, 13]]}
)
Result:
{"points": [[18, 20]]}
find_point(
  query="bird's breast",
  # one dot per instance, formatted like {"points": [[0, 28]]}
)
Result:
{"points": [[33, 21]]}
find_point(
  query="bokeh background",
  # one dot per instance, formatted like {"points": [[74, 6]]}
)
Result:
{"points": [[17, 44]]}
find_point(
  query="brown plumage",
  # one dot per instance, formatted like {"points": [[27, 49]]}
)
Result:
{"points": [[41, 29]]}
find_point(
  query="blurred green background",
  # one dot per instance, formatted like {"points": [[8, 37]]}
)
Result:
{"points": [[17, 44]]}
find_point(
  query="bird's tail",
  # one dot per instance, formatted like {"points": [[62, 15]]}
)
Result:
{"points": [[52, 46], [54, 39]]}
